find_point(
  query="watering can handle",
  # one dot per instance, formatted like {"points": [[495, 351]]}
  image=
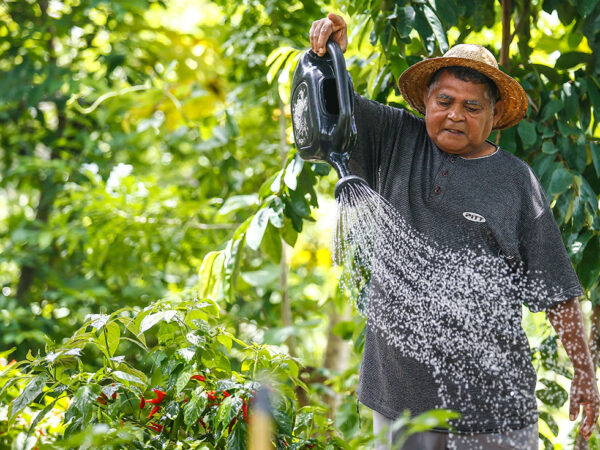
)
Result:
{"points": [[341, 76]]}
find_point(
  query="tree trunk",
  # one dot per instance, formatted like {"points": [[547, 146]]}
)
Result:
{"points": [[337, 352], [286, 307], [506, 36]]}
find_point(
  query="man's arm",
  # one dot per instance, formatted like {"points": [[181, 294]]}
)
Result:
{"points": [[566, 320]]}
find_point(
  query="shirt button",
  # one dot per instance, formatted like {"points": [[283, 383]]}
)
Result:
{"points": [[445, 173], [452, 159], [438, 190]]}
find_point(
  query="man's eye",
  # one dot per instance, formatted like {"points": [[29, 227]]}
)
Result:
{"points": [[470, 109], [444, 104]]}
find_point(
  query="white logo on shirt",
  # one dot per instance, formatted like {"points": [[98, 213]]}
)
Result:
{"points": [[473, 217]]}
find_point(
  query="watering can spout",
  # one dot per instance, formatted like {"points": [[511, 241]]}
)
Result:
{"points": [[338, 162]]}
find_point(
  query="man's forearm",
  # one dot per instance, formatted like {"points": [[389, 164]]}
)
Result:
{"points": [[568, 323]]}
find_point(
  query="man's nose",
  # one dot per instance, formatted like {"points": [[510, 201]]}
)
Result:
{"points": [[456, 113]]}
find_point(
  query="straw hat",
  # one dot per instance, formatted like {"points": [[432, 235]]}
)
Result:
{"points": [[416, 77]]}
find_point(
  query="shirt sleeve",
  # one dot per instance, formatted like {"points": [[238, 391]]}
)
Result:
{"points": [[376, 126], [549, 275]]}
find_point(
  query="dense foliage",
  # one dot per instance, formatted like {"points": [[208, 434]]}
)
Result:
{"points": [[150, 199]]}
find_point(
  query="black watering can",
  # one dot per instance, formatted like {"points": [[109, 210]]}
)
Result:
{"points": [[322, 107]]}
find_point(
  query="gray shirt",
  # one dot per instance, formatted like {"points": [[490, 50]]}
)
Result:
{"points": [[493, 207]]}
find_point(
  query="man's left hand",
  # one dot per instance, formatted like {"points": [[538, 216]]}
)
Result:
{"points": [[584, 392]]}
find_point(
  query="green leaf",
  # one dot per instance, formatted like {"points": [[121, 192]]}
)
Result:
{"points": [[152, 319], [437, 27], [551, 108], [447, 10], [292, 171], [183, 379], [97, 320], [228, 409], [31, 391], [40, 416], [238, 202], [547, 417], [584, 7], [282, 420], [554, 394], [589, 268], [562, 179], [548, 147], [527, 132], [276, 216], [424, 29], [113, 336], [595, 151], [571, 59], [127, 379], [237, 439], [405, 21], [82, 403], [257, 228], [194, 408], [271, 244]]}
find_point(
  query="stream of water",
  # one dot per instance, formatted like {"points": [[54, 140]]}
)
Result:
{"points": [[437, 305]]}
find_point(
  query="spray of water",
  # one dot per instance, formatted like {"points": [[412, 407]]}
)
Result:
{"points": [[437, 305]]}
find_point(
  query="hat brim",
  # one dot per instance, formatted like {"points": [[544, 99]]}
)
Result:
{"points": [[414, 79]]}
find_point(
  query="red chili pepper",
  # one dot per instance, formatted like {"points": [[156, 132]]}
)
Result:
{"points": [[101, 400], [186, 400], [114, 394], [211, 395], [155, 426], [245, 410], [201, 422], [231, 424], [226, 394], [153, 411], [41, 432], [198, 377], [122, 423], [160, 395], [285, 443], [142, 402]]}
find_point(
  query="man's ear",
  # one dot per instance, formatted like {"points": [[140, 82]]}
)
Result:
{"points": [[498, 110], [425, 95]]}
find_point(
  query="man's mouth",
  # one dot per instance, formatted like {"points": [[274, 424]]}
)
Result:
{"points": [[451, 131]]}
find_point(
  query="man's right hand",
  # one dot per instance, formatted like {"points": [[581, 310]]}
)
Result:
{"points": [[320, 31]]}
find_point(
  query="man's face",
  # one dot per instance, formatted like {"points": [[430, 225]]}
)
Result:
{"points": [[459, 116]]}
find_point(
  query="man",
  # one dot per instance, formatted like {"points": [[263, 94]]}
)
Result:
{"points": [[480, 206]]}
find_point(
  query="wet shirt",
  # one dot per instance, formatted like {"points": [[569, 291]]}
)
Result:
{"points": [[494, 206]]}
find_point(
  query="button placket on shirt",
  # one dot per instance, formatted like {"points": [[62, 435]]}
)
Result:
{"points": [[440, 182]]}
